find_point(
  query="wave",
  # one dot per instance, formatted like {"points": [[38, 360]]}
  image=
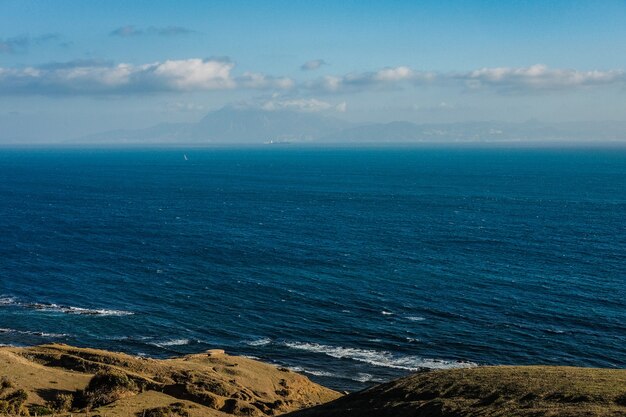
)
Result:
{"points": [[58, 308], [171, 342], [33, 333], [77, 310], [363, 377], [359, 377], [379, 358], [259, 342], [7, 301], [313, 372], [415, 318]]}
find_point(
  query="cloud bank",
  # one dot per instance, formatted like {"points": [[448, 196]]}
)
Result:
{"points": [[539, 77], [98, 77], [92, 77]]}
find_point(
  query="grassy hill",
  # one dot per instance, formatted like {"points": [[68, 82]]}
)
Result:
{"points": [[67, 381], [86, 382], [501, 391]]}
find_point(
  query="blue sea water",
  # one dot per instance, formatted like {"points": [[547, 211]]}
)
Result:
{"points": [[351, 265]]}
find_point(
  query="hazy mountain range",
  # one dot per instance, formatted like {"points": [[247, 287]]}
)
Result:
{"points": [[232, 125]]}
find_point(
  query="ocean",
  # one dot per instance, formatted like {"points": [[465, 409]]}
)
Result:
{"points": [[353, 266]]}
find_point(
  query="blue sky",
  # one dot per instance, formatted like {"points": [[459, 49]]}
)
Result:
{"points": [[69, 68]]}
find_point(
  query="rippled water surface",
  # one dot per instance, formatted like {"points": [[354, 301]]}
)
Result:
{"points": [[352, 265]]}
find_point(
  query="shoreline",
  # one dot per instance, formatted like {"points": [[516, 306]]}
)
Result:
{"points": [[63, 379]]}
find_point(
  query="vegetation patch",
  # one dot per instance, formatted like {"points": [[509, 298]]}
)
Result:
{"points": [[61, 402], [501, 391], [12, 403], [105, 388], [172, 410]]}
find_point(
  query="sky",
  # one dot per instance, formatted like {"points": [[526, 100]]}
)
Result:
{"points": [[72, 68]]}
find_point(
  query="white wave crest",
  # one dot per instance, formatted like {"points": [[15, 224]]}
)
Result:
{"points": [[33, 333], [312, 371], [259, 342], [78, 310], [363, 377], [172, 342], [415, 318], [379, 358], [8, 301]]}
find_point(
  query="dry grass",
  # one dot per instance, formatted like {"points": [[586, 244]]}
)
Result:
{"points": [[86, 382], [64, 379], [489, 391]]}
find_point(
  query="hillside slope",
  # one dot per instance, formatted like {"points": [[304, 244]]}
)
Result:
{"points": [[502, 391], [61, 378]]}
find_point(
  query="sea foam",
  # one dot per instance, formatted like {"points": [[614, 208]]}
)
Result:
{"points": [[259, 342], [379, 358], [7, 301], [171, 342]]}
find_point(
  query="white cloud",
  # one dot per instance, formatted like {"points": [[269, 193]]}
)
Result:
{"points": [[191, 74], [384, 78], [394, 74]]}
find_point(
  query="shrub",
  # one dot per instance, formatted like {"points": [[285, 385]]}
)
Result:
{"points": [[13, 404], [106, 387], [5, 383], [40, 410], [61, 402], [172, 410]]}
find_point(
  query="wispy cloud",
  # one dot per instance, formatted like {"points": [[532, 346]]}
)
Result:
{"points": [[14, 45], [130, 31], [257, 80], [185, 107], [19, 44], [126, 31], [313, 65], [310, 105]]}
